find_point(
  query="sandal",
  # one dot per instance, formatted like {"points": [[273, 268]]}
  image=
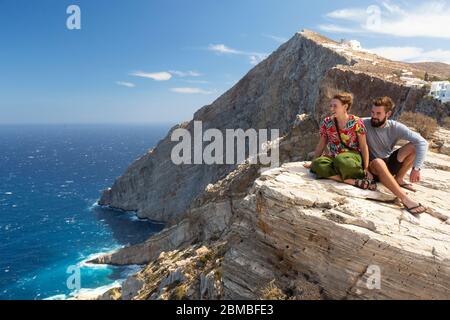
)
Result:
{"points": [[416, 207], [362, 184], [408, 186], [373, 185]]}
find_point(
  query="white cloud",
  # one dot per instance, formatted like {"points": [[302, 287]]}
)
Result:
{"points": [[397, 53], [438, 55], [254, 57], [221, 48], [413, 54], [257, 58], [254, 60], [276, 38], [158, 76], [188, 90], [183, 74], [338, 29], [351, 14], [393, 8], [429, 19], [125, 84], [166, 75]]}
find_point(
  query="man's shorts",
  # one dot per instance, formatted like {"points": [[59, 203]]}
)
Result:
{"points": [[392, 163]]}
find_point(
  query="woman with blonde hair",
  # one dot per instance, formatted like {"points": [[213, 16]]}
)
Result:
{"points": [[347, 157]]}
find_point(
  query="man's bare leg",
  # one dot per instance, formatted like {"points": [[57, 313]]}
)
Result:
{"points": [[406, 155], [379, 168]]}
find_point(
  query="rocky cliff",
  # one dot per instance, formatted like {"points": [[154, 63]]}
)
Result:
{"points": [[307, 238], [249, 232], [298, 78]]}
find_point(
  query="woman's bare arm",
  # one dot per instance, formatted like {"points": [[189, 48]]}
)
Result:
{"points": [[319, 150], [365, 154], [320, 147]]}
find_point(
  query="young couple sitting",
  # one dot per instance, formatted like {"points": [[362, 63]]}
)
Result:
{"points": [[361, 151]]}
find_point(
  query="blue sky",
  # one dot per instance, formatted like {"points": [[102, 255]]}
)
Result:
{"points": [[159, 61]]}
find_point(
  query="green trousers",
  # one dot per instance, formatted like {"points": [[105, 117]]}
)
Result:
{"points": [[348, 165]]}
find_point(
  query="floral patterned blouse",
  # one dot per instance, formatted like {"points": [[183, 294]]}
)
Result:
{"points": [[349, 135]]}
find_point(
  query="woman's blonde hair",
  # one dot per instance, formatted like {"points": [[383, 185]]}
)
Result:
{"points": [[345, 98]]}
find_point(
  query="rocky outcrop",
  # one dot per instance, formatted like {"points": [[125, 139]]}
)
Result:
{"points": [[441, 141], [211, 212], [246, 232], [434, 69], [269, 96], [312, 238], [257, 216], [193, 273], [298, 78], [336, 236]]}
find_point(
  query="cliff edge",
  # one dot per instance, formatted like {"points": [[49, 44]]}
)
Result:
{"points": [[247, 232], [298, 78]]}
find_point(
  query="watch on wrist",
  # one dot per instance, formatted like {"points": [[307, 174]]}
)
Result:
{"points": [[416, 169]]}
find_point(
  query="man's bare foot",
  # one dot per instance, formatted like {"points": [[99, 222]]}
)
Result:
{"points": [[413, 207], [406, 185]]}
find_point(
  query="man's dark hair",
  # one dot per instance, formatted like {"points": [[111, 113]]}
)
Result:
{"points": [[385, 102]]}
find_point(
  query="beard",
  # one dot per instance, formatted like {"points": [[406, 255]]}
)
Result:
{"points": [[377, 123]]}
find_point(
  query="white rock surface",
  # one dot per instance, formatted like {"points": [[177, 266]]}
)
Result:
{"points": [[328, 237], [337, 236], [300, 77], [316, 238]]}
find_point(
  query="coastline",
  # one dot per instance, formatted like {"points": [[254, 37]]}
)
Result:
{"points": [[96, 293]]}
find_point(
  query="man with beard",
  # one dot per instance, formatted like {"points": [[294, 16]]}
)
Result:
{"points": [[390, 166]]}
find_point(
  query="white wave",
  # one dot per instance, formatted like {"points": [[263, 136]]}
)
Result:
{"points": [[93, 293], [133, 217], [85, 261], [87, 293], [57, 297], [130, 270], [94, 205]]}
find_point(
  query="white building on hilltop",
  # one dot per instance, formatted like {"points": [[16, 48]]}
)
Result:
{"points": [[352, 44], [440, 90]]}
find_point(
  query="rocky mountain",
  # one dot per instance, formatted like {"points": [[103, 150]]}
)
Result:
{"points": [[307, 238], [251, 232], [299, 77], [437, 69]]}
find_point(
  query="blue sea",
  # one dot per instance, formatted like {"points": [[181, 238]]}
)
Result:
{"points": [[50, 179]]}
